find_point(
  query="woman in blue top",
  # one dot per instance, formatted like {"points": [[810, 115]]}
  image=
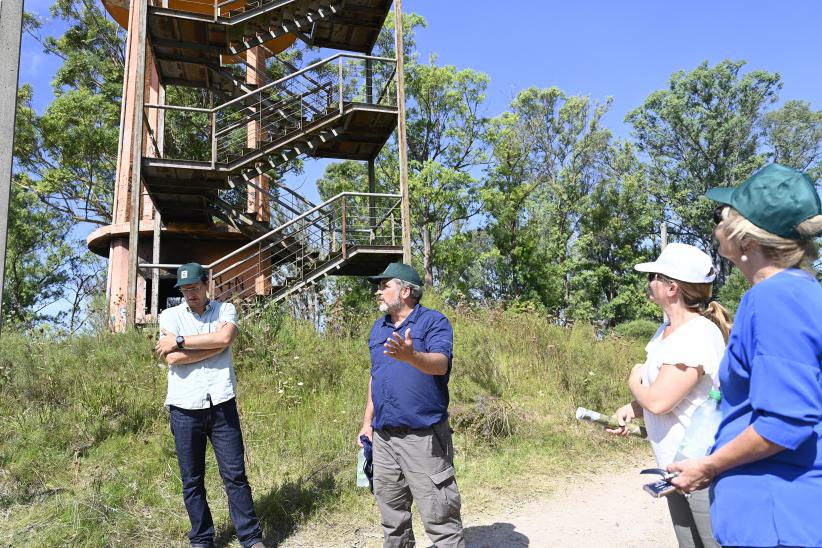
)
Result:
{"points": [[765, 470]]}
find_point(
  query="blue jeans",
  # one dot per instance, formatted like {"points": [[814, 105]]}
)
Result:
{"points": [[220, 424]]}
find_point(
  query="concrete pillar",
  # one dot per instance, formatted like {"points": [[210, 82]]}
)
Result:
{"points": [[11, 20]]}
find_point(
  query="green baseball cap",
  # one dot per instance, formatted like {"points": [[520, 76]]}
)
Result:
{"points": [[775, 198], [190, 273], [401, 271]]}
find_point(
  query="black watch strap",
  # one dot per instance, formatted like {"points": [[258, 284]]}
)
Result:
{"points": [[181, 341]]}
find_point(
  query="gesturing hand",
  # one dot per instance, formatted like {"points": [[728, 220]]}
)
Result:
{"points": [[166, 344], [398, 347]]}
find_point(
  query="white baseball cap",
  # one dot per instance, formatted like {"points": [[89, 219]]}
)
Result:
{"points": [[682, 262]]}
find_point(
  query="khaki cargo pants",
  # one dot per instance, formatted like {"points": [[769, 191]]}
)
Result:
{"points": [[417, 465]]}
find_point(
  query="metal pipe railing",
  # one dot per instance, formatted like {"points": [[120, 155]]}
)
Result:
{"points": [[274, 83]]}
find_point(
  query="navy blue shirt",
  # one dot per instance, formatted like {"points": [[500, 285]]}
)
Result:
{"points": [[402, 394]]}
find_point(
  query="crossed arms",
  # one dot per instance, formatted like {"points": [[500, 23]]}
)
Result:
{"points": [[197, 347]]}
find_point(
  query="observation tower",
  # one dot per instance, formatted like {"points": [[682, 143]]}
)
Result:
{"points": [[212, 115]]}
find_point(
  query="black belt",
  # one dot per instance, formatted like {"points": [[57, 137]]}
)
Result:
{"points": [[403, 430]]}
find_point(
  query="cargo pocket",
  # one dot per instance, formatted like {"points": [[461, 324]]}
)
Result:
{"points": [[445, 498]]}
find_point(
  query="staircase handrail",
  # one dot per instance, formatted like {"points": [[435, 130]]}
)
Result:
{"points": [[310, 67], [295, 220]]}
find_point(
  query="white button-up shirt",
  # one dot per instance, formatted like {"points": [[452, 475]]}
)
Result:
{"points": [[190, 386]]}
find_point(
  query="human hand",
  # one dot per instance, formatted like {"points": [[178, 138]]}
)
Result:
{"points": [[368, 431], [623, 415], [166, 344], [400, 348], [693, 474]]}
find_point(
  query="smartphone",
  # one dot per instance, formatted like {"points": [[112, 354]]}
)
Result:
{"points": [[659, 488]]}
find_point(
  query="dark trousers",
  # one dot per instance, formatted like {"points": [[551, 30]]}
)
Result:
{"points": [[220, 424]]}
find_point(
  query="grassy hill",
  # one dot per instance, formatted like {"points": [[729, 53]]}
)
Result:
{"points": [[87, 458]]}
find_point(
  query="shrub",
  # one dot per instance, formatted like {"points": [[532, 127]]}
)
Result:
{"points": [[637, 329]]}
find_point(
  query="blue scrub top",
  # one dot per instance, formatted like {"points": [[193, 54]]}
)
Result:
{"points": [[771, 378], [404, 396]]}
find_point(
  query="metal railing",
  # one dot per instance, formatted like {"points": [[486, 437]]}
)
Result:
{"points": [[296, 252], [270, 203], [240, 129], [305, 247], [229, 10]]}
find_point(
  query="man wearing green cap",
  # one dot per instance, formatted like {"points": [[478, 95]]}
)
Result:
{"points": [[406, 413], [195, 340]]}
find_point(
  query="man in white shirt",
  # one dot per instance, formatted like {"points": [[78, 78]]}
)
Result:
{"points": [[195, 340]]}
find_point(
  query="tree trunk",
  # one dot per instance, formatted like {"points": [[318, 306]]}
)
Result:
{"points": [[427, 266]]}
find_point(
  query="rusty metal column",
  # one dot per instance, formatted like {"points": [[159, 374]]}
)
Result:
{"points": [[11, 20], [401, 139]]}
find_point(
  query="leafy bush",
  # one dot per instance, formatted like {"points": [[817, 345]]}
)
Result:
{"points": [[637, 329]]}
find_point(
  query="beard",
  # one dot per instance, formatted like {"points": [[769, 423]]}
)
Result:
{"points": [[392, 306]]}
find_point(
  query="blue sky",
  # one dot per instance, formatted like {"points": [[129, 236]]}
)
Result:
{"points": [[622, 49]]}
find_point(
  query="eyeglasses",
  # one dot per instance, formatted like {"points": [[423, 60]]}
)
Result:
{"points": [[185, 290], [719, 213]]}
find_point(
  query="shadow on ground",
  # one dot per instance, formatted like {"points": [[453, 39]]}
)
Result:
{"points": [[282, 508], [494, 536]]}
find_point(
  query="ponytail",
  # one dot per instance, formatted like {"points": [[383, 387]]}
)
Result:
{"points": [[698, 297], [720, 316]]}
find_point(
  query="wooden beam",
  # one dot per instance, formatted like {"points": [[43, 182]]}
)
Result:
{"points": [[137, 54], [401, 137]]}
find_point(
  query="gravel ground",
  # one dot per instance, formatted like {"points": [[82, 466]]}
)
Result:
{"points": [[608, 509]]}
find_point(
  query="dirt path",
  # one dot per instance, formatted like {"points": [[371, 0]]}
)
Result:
{"points": [[608, 509], [605, 510]]}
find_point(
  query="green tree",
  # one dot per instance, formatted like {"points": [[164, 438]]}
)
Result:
{"points": [[614, 235], [547, 153], [445, 143], [702, 131], [37, 260], [69, 153], [794, 133]]}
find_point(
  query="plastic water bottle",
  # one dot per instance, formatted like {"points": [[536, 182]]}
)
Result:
{"points": [[362, 479], [699, 437]]}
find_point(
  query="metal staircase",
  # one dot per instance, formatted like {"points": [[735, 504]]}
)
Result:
{"points": [[340, 236], [214, 156], [341, 107]]}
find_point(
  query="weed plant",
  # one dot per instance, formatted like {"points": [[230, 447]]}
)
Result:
{"points": [[87, 458]]}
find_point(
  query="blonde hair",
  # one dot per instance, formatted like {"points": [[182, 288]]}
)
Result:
{"points": [[698, 297], [783, 252]]}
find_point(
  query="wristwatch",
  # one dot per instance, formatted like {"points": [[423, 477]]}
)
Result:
{"points": [[180, 341]]}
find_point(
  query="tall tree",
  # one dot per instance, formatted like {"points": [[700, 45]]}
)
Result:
{"points": [[616, 233], [70, 152], [548, 152], [445, 143], [702, 131], [794, 133]]}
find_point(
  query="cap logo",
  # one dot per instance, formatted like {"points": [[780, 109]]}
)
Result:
{"points": [[184, 274]]}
